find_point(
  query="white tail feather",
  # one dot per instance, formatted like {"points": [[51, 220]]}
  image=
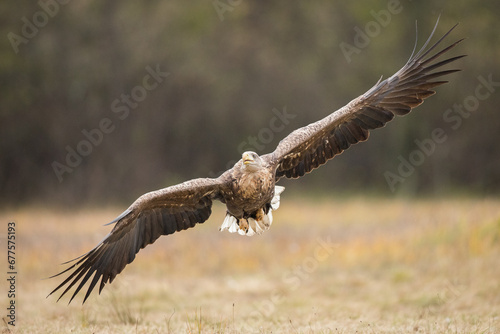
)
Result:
{"points": [[250, 232], [275, 202], [230, 223], [258, 228], [234, 227]]}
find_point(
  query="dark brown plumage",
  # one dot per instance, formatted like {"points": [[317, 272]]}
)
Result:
{"points": [[248, 189]]}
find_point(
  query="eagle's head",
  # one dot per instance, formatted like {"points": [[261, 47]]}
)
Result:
{"points": [[251, 161]]}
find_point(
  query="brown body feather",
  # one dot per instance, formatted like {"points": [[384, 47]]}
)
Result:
{"points": [[248, 192]]}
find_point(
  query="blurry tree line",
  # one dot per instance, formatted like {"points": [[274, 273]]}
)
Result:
{"points": [[104, 100]]}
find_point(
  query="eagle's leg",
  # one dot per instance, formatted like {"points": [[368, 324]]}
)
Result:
{"points": [[243, 226], [256, 222]]}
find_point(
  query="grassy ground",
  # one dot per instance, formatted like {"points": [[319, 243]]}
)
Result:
{"points": [[331, 266]]}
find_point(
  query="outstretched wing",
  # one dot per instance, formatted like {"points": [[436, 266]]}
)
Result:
{"points": [[311, 146], [153, 214]]}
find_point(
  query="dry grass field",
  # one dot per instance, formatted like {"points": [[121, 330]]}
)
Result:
{"points": [[356, 265]]}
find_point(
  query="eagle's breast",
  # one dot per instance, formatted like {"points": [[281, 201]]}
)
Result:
{"points": [[251, 190]]}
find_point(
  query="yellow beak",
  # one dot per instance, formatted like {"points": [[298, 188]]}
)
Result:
{"points": [[247, 158]]}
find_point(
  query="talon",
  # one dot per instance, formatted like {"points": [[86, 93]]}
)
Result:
{"points": [[243, 224]]}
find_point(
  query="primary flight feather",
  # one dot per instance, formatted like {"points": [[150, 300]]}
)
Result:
{"points": [[249, 189]]}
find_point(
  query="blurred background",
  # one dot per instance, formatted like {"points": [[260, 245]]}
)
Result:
{"points": [[89, 115], [102, 101]]}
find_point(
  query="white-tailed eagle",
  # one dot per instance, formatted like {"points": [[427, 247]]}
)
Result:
{"points": [[249, 188]]}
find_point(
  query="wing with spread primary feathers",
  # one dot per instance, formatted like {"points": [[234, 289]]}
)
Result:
{"points": [[311, 146], [153, 214]]}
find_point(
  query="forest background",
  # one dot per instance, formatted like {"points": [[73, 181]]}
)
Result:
{"points": [[103, 101]]}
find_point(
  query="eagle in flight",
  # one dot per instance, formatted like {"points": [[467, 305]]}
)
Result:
{"points": [[249, 188]]}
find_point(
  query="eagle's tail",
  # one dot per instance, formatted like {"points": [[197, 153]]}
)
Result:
{"points": [[256, 224]]}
